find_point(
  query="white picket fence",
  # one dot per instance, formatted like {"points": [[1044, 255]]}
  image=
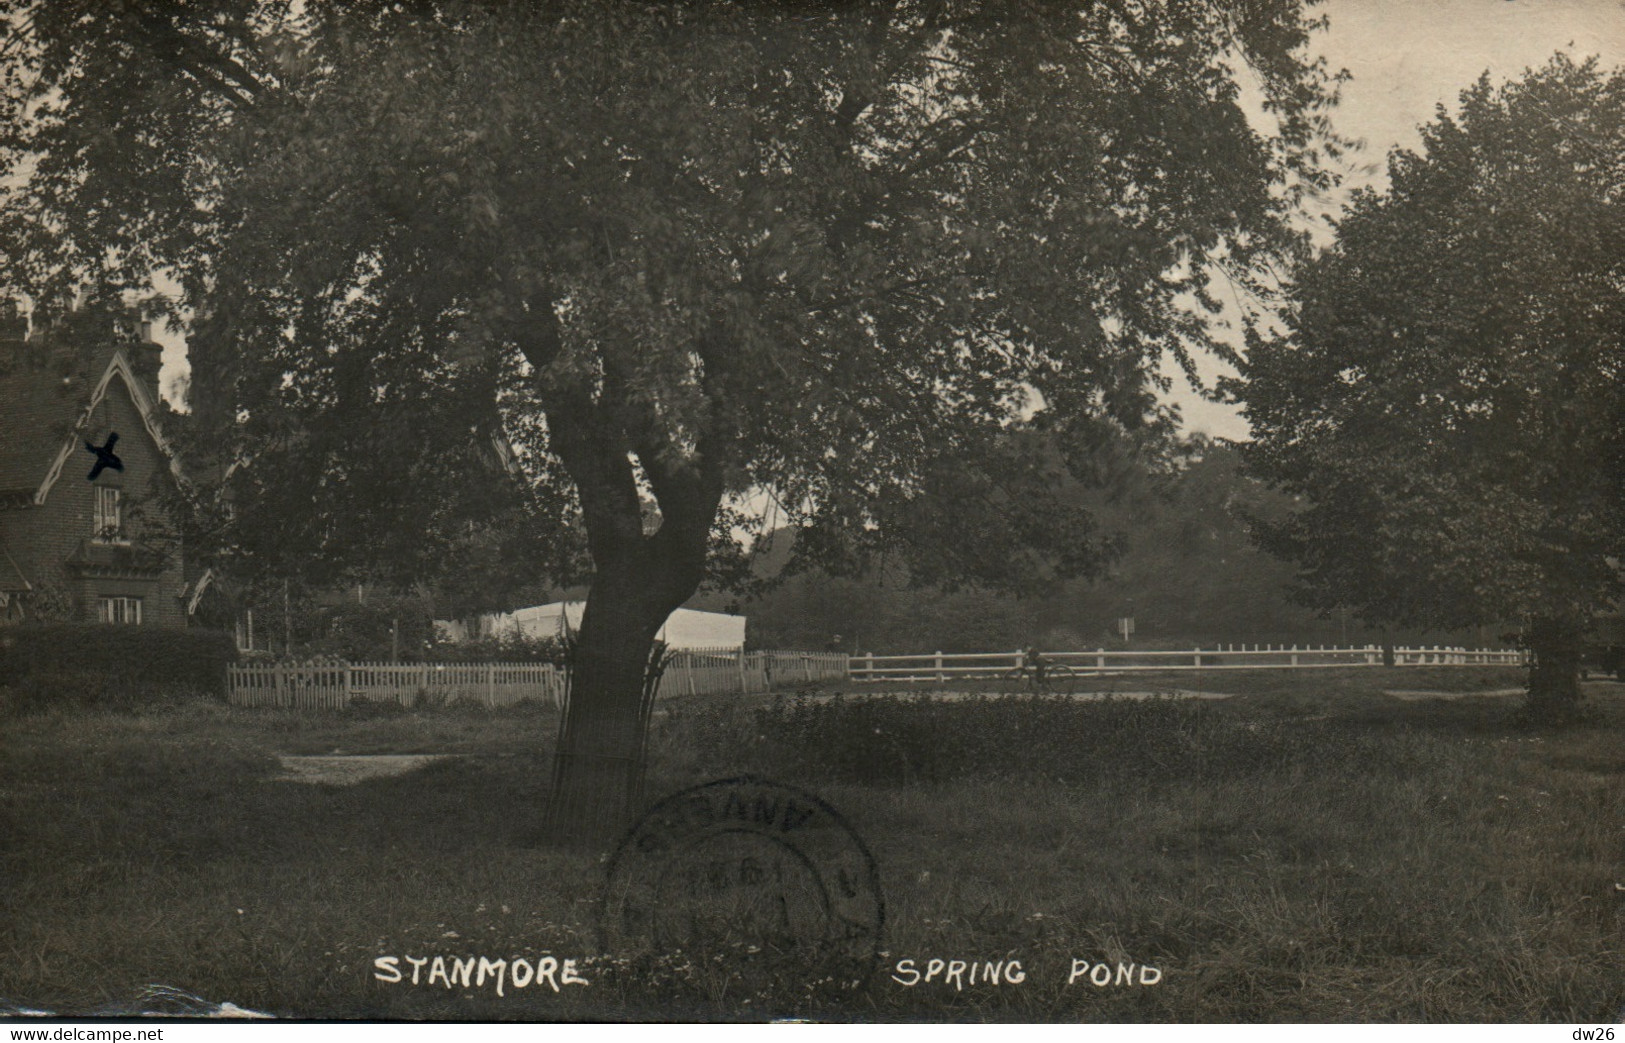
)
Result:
{"points": [[331, 686], [937, 666], [721, 670]]}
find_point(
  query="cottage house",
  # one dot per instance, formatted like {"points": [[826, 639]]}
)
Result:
{"points": [[83, 534]]}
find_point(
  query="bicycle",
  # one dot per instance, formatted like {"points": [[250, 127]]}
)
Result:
{"points": [[1038, 676]]}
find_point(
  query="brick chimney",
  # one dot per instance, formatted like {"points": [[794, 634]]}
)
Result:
{"points": [[134, 335], [146, 358]]}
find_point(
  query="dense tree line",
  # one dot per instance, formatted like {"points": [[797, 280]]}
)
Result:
{"points": [[1189, 571]]}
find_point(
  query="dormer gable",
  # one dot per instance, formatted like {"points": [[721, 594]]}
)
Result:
{"points": [[46, 410], [118, 375]]}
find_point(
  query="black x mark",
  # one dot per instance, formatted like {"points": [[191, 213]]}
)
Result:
{"points": [[104, 456]]}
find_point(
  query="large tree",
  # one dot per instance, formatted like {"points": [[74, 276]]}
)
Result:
{"points": [[686, 252], [1448, 403]]}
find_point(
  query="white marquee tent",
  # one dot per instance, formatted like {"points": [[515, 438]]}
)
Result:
{"points": [[685, 628]]}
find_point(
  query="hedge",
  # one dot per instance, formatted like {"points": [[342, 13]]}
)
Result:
{"points": [[507, 649], [122, 662], [908, 740]]}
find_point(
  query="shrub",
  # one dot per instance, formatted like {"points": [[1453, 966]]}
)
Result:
{"points": [[508, 649], [44, 691], [371, 631], [891, 740], [38, 693], [82, 664]]}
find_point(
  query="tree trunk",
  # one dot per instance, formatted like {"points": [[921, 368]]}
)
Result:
{"points": [[1554, 669], [598, 768], [639, 576], [599, 765]]}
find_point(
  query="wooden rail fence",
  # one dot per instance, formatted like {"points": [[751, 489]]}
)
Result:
{"points": [[940, 667]]}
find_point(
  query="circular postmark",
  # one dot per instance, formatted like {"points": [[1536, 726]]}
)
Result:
{"points": [[760, 881]]}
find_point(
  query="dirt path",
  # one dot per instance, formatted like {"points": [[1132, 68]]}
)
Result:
{"points": [[1412, 695], [347, 771]]}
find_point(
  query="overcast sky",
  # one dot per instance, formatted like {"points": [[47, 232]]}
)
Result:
{"points": [[1407, 57]]}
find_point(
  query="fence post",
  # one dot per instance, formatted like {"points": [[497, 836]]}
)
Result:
{"points": [[741, 669], [1100, 659], [868, 666], [490, 684], [1198, 654], [1294, 655], [940, 676]]}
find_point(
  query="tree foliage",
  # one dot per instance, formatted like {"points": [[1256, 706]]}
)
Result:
{"points": [[828, 251], [836, 252], [1448, 403]]}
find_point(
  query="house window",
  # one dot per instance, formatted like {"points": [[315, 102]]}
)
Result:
{"points": [[109, 525], [121, 610]]}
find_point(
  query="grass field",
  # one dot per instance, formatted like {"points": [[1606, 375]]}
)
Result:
{"points": [[1309, 849]]}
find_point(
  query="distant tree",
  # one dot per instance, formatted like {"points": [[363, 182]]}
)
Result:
{"points": [[1189, 571], [381, 628], [1186, 567], [1448, 405], [831, 251]]}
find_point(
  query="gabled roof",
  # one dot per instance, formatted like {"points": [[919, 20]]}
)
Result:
{"points": [[192, 592], [45, 404], [12, 579]]}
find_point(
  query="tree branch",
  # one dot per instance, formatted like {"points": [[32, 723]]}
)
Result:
{"points": [[593, 448], [169, 42]]}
